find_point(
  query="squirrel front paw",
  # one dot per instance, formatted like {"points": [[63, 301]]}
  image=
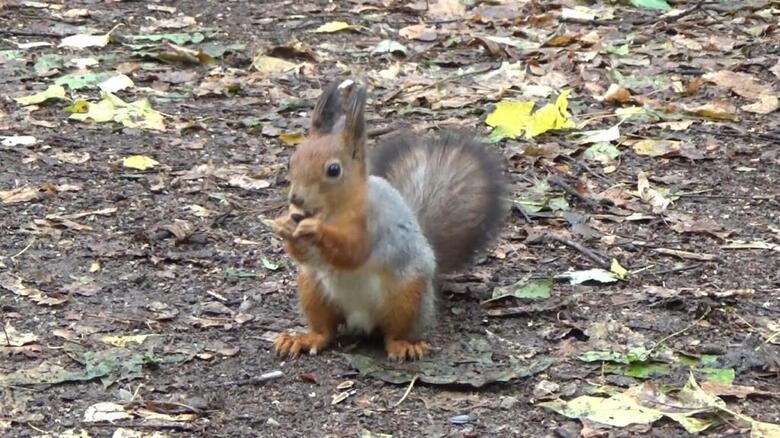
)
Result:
{"points": [[309, 229], [284, 227]]}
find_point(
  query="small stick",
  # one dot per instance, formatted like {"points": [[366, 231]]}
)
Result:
{"points": [[254, 380], [408, 391], [587, 252], [572, 191]]}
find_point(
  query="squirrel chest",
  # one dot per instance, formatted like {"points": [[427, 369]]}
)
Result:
{"points": [[399, 254]]}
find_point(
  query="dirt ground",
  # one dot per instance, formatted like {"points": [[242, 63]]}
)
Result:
{"points": [[181, 250]]}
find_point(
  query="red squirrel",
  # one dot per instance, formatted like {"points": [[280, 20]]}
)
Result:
{"points": [[372, 230]]}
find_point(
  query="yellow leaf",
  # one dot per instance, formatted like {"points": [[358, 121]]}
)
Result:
{"points": [[333, 26], [94, 266], [53, 92], [121, 341], [139, 162], [292, 138], [270, 64], [507, 117], [138, 114], [513, 118], [618, 270]]}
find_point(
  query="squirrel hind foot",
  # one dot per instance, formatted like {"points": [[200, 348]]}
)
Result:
{"points": [[291, 345], [401, 350]]}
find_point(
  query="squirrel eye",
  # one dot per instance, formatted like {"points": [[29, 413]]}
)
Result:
{"points": [[333, 170]]}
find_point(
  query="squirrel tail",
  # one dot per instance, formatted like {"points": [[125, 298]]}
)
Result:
{"points": [[455, 187]]}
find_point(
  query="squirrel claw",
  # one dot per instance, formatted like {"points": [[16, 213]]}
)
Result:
{"points": [[401, 350], [292, 345]]}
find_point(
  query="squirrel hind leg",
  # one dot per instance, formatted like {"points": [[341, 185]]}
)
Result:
{"points": [[407, 309], [322, 317]]}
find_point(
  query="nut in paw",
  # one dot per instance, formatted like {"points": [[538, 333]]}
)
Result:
{"points": [[284, 227], [308, 229]]}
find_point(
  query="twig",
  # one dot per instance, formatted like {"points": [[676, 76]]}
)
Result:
{"points": [[23, 250], [587, 252], [686, 328], [408, 391], [254, 380], [555, 180], [680, 269]]}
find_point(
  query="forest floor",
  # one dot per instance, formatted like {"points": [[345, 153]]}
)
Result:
{"points": [[638, 273]]}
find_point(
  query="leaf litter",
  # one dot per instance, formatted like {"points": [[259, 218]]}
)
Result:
{"points": [[665, 154]]}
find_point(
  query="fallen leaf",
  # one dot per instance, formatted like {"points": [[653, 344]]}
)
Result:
{"points": [[105, 411], [389, 46], [116, 83], [139, 162], [82, 41], [122, 341], [660, 5], [11, 337], [511, 118], [522, 289], [651, 196], [52, 92], [333, 26], [597, 274], [764, 105], [18, 140], [617, 94], [742, 84], [419, 32]]}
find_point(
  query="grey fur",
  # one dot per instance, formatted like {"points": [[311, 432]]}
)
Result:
{"points": [[453, 185]]}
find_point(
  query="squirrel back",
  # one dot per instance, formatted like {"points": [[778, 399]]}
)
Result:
{"points": [[454, 186]]}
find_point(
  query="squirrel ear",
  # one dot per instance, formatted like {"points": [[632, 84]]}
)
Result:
{"points": [[354, 133], [327, 110]]}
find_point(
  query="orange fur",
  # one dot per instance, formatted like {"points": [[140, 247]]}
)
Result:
{"points": [[345, 245], [322, 317], [398, 318]]}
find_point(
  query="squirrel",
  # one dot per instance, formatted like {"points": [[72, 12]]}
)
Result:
{"points": [[371, 232]]}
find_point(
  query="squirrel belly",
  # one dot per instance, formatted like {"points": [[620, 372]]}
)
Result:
{"points": [[401, 255]]}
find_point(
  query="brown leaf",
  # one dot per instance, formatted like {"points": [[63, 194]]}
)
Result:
{"points": [[741, 84], [764, 105], [617, 94], [27, 194], [721, 389], [418, 32], [685, 223]]}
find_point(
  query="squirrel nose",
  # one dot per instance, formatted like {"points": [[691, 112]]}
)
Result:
{"points": [[296, 200]]}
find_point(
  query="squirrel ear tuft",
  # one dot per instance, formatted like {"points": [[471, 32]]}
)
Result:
{"points": [[354, 133], [327, 110]]}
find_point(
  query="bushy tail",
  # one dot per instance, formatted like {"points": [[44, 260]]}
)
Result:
{"points": [[455, 186]]}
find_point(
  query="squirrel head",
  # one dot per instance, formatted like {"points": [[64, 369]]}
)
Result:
{"points": [[328, 170]]}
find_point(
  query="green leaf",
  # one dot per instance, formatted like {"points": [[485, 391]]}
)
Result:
{"points": [[80, 81], [719, 375], [523, 290], [47, 62], [179, 38], [660, 5], [558, 203], [268, 264]]}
